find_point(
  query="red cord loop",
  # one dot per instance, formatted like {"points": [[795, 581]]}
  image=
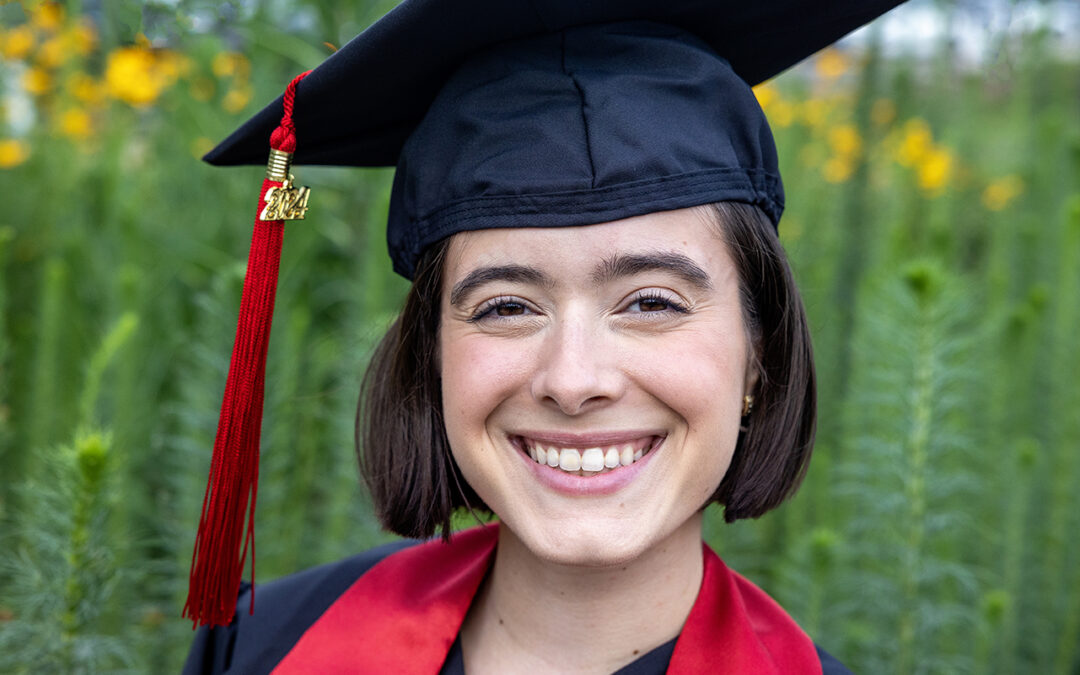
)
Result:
{"points": [[284, 137]]}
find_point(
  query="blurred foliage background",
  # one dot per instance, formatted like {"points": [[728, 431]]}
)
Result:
{"points": [[933, 223]]}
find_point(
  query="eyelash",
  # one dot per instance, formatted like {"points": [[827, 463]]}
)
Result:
{"points": [[493, 305], [673, 305], [488, 309]]}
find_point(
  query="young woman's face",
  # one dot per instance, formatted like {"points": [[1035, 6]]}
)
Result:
{"points": [[618, 347]]}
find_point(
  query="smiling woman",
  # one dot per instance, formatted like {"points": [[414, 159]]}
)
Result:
{"points": [[595, 387], [602, 338]]}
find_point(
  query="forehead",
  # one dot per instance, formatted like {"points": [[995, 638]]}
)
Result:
{"points": [[691, 232]]}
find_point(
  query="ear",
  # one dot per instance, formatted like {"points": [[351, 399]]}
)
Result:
{"points": [[753, 369]]}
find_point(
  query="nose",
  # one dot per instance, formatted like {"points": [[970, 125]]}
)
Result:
{"points": [[578, 369]]}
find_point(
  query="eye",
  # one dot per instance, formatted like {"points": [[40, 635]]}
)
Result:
{"points": [[655, 301], [500, 308]]}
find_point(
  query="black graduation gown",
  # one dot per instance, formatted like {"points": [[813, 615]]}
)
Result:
{"points": [[254, 644]]}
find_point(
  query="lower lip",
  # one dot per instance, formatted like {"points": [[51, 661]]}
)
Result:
{"points": [[587, 486]]}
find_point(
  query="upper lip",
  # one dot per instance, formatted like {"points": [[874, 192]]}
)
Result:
{"points": [[590, 439]]}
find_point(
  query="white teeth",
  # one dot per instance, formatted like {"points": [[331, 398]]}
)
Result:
{"points": [[569, 460], [552, 457], [592, 460], [611, 458]]}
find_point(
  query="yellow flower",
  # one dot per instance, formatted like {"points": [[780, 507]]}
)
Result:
{"points": [[766, 95], [845, 141], [202, 89], [86, 89], [13, 152], [935, 169], [1000, 192], [200, 146], [837, 169], [916, 143], [47, 16], [82, 38], [236, 99], [883, 112], [53, 53], [138, 75], [75, 124], [831, 63], [230, 64], [172, 65], [811, 155], [782, 114], [37, 81], [18, 43], [814, 111]]}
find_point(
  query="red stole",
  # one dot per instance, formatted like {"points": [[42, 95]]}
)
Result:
{"points": [[403, 615]]}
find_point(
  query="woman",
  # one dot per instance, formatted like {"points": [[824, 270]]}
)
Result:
{"points": [[602, 338]]}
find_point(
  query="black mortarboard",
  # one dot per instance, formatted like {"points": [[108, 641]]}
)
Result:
{"points": [[514, 113]]}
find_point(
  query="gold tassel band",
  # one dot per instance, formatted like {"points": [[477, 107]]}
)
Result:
{"points": [[277, 167]]}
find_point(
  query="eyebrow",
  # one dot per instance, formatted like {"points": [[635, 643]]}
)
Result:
{"points": [[680, 265], [510, 273], [616, 267]]}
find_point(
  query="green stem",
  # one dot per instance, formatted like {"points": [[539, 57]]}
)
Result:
{"points": [[917, 451]]}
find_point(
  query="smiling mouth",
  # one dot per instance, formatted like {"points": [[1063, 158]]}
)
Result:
{"points": [[587, 460]]}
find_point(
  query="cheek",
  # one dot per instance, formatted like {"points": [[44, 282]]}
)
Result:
{"points": [[478, 374], [700, 376]]}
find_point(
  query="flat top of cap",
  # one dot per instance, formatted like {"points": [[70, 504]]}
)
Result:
{"points": [[358, 107]]}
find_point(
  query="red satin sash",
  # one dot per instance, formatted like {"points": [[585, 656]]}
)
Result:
{"points": [[403, 615]]}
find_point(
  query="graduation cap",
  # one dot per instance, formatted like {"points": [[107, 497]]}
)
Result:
{"points": [[503, 113]]}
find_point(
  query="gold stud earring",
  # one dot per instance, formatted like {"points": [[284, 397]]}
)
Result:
{"points": [[747, 405]]}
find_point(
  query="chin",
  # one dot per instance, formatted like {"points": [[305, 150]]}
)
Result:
{"points": [[597, 545]]}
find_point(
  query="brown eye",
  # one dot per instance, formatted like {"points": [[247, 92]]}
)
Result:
{"points": [[510, 309], [652, 305]]}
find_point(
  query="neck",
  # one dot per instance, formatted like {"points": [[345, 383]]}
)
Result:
{"points": [[532, 615]]}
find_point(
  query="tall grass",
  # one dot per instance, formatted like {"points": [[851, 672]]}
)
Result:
{"points": [[934, 228]]}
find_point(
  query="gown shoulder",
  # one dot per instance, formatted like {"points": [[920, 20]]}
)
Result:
{"points": [[255, 643]]}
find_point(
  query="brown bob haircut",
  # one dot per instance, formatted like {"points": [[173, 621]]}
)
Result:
{"points": [[405, 457]]}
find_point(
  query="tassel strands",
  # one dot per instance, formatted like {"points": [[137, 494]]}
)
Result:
{"points": [[222, 542]]}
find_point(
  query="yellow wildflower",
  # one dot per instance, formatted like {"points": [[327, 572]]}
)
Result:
{"points": [[53, 53], [13, 152], [935, 169], [883, 112], [814, 111], [230, 64], [82, 38], [136, 75], [766, 95], [47, 16], [236, 99], [782, 114], [172, 65], [1000, 192], [200, 146], [18, 43], [37, 81], [86, 89], [845, 141], [838, 169], [811, 155], [75, 124], [831, 63], [202, 89], [917, 142]]}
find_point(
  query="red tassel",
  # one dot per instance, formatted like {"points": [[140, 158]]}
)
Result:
{"points": [[221, 544]]}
